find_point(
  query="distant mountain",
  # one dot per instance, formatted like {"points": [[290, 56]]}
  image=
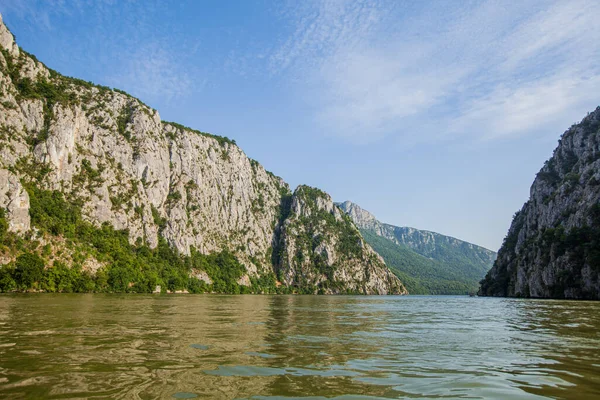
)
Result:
{"points": [[552, 248], [426, 262]]}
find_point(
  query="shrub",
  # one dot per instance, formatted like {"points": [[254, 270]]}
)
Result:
{"points": [[29, 269]]}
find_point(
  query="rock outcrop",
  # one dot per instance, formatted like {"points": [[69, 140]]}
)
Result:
{"points": [[112, 154], [552, 248], [320, 247], [14, 198]]}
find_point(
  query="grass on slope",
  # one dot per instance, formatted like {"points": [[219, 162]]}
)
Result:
{"points": [[466, 260], [420, 274]]}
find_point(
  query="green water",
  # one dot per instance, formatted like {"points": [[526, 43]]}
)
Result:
{"points": [[280, 347]]}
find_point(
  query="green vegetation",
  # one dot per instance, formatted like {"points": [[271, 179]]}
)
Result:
{"points": [[29, 269], [579, 247], [124, 118], [3, 225], [221, 139], [309, 231], [173, 196], [126, 267], [59, 89], [422, 275], [571, 250], [158, 220]]}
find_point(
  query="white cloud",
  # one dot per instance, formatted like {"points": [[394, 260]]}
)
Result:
{"points": [[322, 27], [550, 104], [367, 93], [374, 69], [143, 60], [152, 73]]}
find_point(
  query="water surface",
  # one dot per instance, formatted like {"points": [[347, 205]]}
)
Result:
{"points": [[296, 347]]}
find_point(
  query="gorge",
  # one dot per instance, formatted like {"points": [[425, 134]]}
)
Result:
{"points": [[100, 194]]}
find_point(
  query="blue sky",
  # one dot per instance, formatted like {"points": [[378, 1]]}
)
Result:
{"points": [[431, 114]]}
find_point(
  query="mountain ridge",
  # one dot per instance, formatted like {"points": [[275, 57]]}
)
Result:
{"points": [[388, 226], [80, 161], [427, 262]]}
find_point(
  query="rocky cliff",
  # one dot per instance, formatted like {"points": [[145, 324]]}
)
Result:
{"points": [[321, 247], [427, 262], [552, 248], [113, 157]]}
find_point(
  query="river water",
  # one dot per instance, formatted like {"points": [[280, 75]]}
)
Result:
{"points": [[282, 347]]}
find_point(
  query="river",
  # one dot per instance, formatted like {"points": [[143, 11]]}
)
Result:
{"points": [[282, 347]]}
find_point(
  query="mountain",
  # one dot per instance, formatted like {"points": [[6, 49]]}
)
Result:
{"points": [[552, 248], [98, 194], [427, 262]]}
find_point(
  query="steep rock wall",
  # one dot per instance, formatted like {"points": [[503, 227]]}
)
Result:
{"points": [[112, 155], [552, 248]]}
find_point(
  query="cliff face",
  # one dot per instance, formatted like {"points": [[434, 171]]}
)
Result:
{"points": [[112, 154], [552, 248], [321, 246]]}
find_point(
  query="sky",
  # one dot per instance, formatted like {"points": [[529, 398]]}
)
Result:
{"points": [[430, 114]]}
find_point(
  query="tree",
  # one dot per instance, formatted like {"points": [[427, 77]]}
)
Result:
{"points": [[7, 283], [3, 225], [29, 269]]}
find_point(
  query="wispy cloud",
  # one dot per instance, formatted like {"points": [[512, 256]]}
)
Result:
{"points": [[142, 58], [152, 72], [484, 69]]}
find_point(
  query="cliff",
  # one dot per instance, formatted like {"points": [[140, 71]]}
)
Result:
{"points": [[321, 247], [113, 158], [552, 248]]}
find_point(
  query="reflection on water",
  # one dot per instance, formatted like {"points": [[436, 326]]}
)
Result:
{"points": [[275, 347]]}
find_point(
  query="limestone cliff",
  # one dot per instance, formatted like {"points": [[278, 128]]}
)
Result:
{"points": [[112, 154], [552, 248], [320, 247]]}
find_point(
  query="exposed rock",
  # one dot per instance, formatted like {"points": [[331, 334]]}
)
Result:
{"points": [[7, 40], [203, 276], [113, 155], [14, 198], [321, 248], [552, 248], [244, 280], [92, 265]]}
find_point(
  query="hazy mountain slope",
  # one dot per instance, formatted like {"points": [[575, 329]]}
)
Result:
{"points": [[109, 161], [434, 263], [552, 248]]}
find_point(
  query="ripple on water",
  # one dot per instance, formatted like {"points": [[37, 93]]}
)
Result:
{"points": [[262, 355], [184, 395], [344, 397], [308, 347], [249, 370]]}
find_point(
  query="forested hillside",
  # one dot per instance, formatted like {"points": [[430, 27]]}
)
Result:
{"points": [[427, 262]]}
